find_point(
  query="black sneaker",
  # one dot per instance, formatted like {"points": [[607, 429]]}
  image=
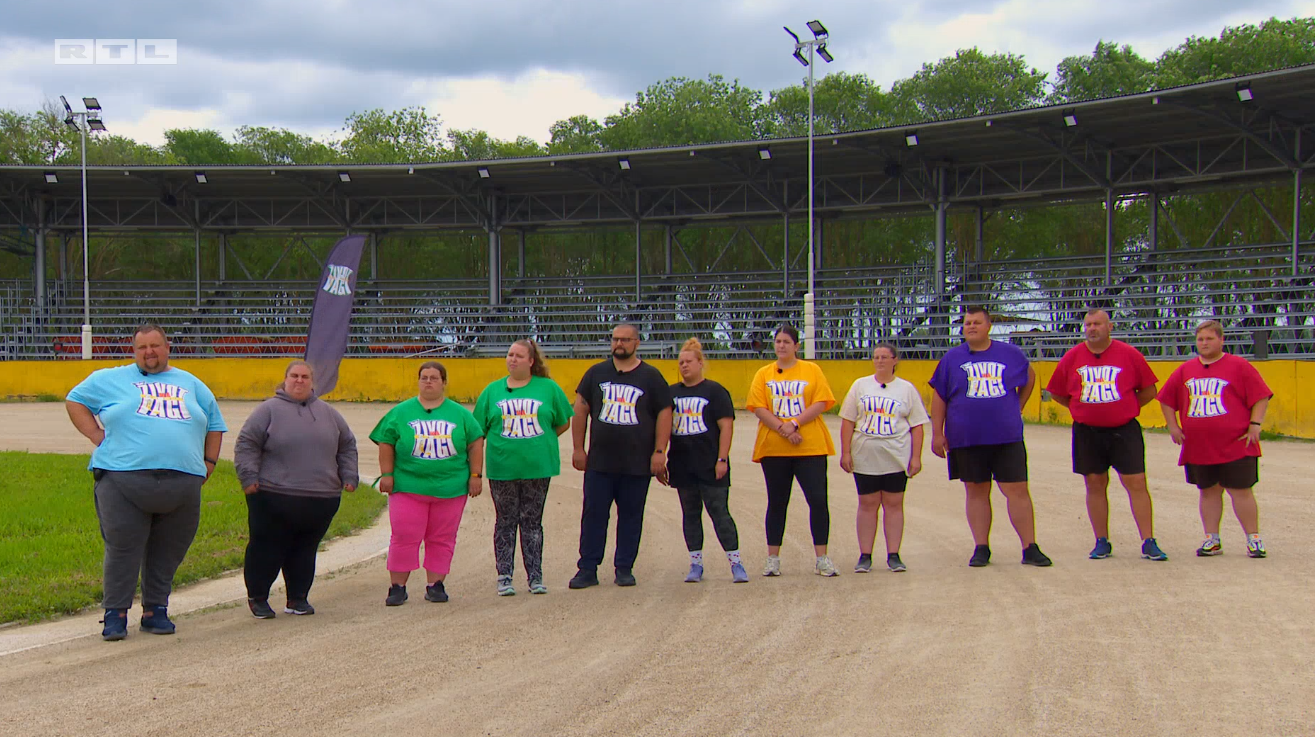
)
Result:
{"points": [[864, 564], [396, 595], [157, 622], [260, 608], [981, 556], [116, 624], [625, 578], [436, 593], [583, 579], [1032, 556], [299, 607]]}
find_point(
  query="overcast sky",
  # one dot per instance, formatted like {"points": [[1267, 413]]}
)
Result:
{"points": [[513, 67]]}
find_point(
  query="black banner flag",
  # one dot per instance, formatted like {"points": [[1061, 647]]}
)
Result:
{"points": [[331, 315]]}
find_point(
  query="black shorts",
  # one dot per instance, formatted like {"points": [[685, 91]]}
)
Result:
{"points": [[979, 464], [1243, 473], [891, 483], [1095, 449]]}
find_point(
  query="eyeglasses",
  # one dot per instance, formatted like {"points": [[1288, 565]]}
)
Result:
{"points": [[625, 340], [429, 379]]}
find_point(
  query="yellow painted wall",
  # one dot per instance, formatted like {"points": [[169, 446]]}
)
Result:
{"points": [[1291, 411]]}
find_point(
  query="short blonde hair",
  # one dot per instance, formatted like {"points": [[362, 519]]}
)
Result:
{"points": [[1211, 325]]}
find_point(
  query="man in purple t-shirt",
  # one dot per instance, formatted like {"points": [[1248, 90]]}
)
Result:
{"points": [[977, 426]]}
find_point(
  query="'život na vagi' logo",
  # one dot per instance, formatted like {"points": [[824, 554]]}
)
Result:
{"points": [[162, 401], [1207, 397], [879, 414], [688, 419], [337, 281], [520, 418], [787, 397], [1100, 384], [620, 404], [986, 379], [433, 439]]}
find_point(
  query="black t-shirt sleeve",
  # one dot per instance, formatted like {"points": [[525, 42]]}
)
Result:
{"points": [[660, 392], [586, 387], [721, 403]]}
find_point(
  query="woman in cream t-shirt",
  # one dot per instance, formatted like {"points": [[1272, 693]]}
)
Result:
{"points": [[881, 433]]}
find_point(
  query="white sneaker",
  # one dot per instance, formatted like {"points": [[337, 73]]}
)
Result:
{"points": [[773, 567], [825, 567]]}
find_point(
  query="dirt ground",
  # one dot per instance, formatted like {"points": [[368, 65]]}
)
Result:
{"points": [[1121, 646]]}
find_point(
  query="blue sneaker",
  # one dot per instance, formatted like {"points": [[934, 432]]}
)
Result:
{"points": [[738, 574], [695, 573], [1103, 549], [116, 624], [1151, 550], [157, 622]]}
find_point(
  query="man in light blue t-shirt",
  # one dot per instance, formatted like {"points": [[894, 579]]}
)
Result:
{"points": [[156, 443]]}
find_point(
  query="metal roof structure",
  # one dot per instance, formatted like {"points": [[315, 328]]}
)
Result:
{"points": [[1231, 132]]}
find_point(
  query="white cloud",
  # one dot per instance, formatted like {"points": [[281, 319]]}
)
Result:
{"points": [[524, 106], [149, 128]]}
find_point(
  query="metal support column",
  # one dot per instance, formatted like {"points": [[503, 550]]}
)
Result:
{"points": [[39, 261], [197, 268], [520, 256], [223, 256], [1296, 210], [374, 256], [1155, 222], [666, 250], [495, 254], [820, 247], [942, 207], [639, 261], [1109, 236], [979, 245], [785, 260]]}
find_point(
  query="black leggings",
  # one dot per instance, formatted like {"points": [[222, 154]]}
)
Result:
{"points": [[780, 472], [519, 507], [286, 531], [693, 499]]}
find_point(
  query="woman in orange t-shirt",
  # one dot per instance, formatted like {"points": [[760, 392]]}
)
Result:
{"points": [[788, 397]]}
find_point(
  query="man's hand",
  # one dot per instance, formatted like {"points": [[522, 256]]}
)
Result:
{"points": [[579, 459], [251, 489], [939, 445], [350, 487], [657, 465], [1252, 436], [1176, 434], [723, 468]]}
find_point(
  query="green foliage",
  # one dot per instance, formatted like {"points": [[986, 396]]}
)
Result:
{"points": [[1109, 71], [401, 136], [841, 102], [1243, 49], [577, 135], [966, 84], [681, 111], [50, 545]]}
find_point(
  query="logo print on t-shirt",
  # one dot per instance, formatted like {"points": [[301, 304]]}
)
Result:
{"points": [[689, 416], [1207, 398], [879, 415], [520, 418], [433, 439], [620, 403], [162, 401], [1099, 384], [787, 397], [986, 379]]}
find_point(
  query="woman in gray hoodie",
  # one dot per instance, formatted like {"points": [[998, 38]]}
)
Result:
{"points": [[294, 457]]}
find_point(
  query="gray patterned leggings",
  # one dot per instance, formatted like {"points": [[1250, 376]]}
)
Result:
{"points": [[519, 505]]}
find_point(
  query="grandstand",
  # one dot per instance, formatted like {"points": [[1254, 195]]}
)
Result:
{"points": [[1145, 147]]}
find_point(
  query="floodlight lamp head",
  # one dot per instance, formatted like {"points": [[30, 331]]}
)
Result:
{"points": [[96, 124], [484, 173], [765, 153], [91, 103], [799, 55], [826, 55], [52, 178], [1244, 93], [344, 176], [1070, 118], [67, 107], [624, 164], [911, 139], [787, 30], [200, 177], [819, 30]]}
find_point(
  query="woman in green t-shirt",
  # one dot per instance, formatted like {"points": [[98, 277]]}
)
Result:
{"points": [[431, 452], [522, 416]]}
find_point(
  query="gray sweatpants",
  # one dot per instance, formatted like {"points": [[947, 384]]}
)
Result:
{"points": [[147, 520]]}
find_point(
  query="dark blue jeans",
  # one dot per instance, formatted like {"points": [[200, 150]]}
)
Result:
{"points": [[601, 490]]}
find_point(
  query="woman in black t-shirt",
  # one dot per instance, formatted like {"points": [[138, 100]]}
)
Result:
{"points": [[698, 463]]}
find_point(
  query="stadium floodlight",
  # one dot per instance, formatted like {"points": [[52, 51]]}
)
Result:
{"points": [[624, 164], [344, 176], [1244, 93], [911, 139], [1070, 118], [818, 45], [200, 177], [88, 119], [765, 153], [484, 173], [52, 178]]}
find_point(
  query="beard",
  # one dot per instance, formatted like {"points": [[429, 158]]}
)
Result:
{"points": [[622, 353]]}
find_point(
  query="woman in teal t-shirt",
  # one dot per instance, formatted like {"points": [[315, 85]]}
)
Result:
{"points": [[431, 451], [522, 416]]}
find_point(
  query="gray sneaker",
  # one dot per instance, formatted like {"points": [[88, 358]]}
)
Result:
{"points": [[864, 564], [504, 586], [895, 564], [825, 567], [537, 587]]}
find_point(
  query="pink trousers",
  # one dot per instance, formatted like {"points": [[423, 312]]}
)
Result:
{"points": [[417, 518]]}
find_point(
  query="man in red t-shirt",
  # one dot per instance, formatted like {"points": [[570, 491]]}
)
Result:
{"points": [[1214, 405], [1104, 383]]}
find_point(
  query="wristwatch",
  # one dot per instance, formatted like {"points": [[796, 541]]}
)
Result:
{"points": [[723, 460]]}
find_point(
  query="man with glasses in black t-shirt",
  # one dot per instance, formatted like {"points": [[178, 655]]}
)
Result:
{"points": [[629, 404]]}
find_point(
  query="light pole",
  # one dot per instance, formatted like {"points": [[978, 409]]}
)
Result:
{"points": [[818, 44], [88, 119]]}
